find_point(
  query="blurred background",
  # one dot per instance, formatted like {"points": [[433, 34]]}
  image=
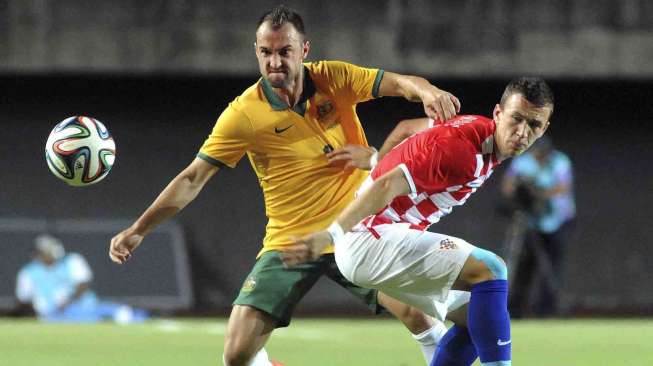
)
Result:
{"points": [[159, 72]]}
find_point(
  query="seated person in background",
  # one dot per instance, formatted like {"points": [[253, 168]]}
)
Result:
{"points": [[57, 286]]}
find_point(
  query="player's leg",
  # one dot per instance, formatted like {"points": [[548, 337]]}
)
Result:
{"points": [[265, 302], [394, 260], [247, 332], [426, 331], [488, 320]]}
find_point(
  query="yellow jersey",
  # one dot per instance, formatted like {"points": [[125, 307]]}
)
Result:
{"points": [[286, 146]]}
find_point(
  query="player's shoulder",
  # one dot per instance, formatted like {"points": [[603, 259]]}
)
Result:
{"points": [[323, 66], [243, 110], [330, 69], [478, 130], [472, 124], [250, 97]]}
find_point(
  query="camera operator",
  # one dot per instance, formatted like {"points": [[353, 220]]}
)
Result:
{"points": [[539, 186]]}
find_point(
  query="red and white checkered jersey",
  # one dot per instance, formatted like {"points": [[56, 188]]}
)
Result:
{"points": [[443, 164]]}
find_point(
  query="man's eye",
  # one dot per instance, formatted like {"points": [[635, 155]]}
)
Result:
{"points": [[534, 125]]}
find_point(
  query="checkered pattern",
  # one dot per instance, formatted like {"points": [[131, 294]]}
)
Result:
{"points": [[444, 165]]}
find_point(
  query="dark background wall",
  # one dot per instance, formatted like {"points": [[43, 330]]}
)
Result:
{"points": [[160, 121]]}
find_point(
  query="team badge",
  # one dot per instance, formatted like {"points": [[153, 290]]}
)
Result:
{"points": [[324, 109], [447, 244], [249, 284]]}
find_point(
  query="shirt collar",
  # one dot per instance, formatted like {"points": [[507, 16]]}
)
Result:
{"points": [[277, 104]]}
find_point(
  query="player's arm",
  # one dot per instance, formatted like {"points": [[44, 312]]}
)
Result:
{"points": [[372, 200], [363, 157], [180, 192], [438, 104], [402, 131]]}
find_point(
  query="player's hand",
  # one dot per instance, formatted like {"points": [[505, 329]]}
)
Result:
{"points": [[440, 105], [123, 245], [352, 156], [305, 249]]}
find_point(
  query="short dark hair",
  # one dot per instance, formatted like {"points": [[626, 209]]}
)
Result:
{"points": [[533, 89], [280, 15]]}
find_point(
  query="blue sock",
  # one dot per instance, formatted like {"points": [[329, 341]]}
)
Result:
{"points": [[489, 323], [455, 349]]}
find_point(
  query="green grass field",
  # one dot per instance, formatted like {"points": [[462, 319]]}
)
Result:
{"points": [[322, 342]]}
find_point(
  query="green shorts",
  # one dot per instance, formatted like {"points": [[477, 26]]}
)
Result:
{"points": [[276, 290]]}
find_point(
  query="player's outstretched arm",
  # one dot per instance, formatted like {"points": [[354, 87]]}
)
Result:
{"points": [[180, 192], [438, 104], [380, 193]]}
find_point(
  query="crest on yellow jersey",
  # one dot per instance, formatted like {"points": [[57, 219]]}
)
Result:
{"points": [[325, 114], [324, 109], [249, 284]]}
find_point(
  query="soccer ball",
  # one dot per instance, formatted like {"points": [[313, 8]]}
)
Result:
{"points": [[80, 151]]}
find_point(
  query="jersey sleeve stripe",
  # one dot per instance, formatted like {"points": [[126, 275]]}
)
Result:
{"points": [[409, 178], [211, 160], [377, 83]]}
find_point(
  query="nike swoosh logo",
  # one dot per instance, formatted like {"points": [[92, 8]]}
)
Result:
{"points": [[280, 130], [503, 343]]}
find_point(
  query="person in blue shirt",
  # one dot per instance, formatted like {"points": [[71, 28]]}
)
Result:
{"points": [[57, 285], [539, 183]]}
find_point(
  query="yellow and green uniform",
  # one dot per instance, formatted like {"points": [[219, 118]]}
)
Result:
{"points": [[286, 146]]}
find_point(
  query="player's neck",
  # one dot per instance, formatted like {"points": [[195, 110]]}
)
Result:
{"points": [[293, 92], [497, 150]]}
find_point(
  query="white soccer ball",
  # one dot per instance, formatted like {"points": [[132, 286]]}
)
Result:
{"points": [[80, 151]]}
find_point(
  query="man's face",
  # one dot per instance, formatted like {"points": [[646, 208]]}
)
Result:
{"points": [[45, 257], [280, 53], [519, 124]]}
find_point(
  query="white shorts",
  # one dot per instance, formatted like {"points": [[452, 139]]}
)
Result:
{"points": [[416, 267]]}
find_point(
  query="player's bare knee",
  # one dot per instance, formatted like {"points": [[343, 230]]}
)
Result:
{"points": [[236, 353], [491, 263], [482, 265], [415, 320]]}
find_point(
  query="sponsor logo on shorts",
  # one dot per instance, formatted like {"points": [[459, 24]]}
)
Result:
{"points": [[446, 244], [249, 284]]}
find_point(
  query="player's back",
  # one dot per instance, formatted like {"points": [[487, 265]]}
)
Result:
{"points": [[443, 166]]}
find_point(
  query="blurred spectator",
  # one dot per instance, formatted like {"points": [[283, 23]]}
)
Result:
{"points": [[56, 285], [539, 186]]}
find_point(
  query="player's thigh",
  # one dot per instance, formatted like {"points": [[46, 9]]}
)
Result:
{"points": [[275, 289], [367, 296], [403, 260]]}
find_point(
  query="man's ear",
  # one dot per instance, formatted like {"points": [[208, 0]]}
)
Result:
{"points": [[496, 112], [305, 48], [546, 126]]}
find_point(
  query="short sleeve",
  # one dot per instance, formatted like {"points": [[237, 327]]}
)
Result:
{"points": [[357, 83], [78, 268], [441, 163], [24, 287], [229, 140]]}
